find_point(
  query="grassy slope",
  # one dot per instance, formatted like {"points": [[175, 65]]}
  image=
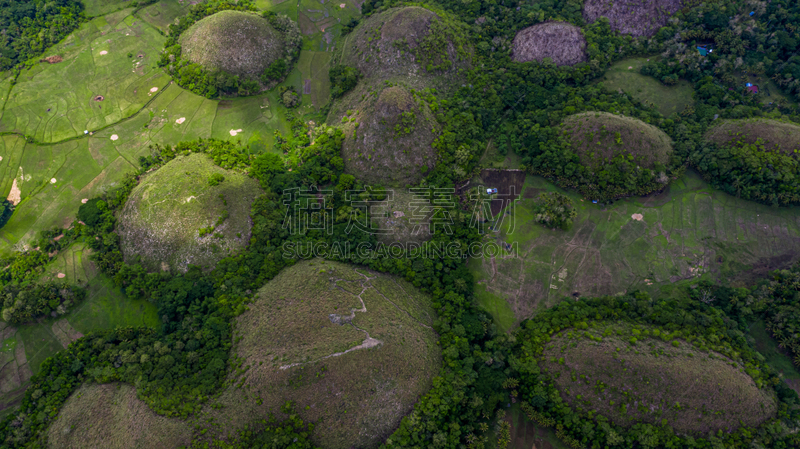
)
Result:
{"points": [[777, 357], [67, 88], [105, 307], [624, 75], [653, 381], [562, 42], [593, 135], [777, 135], [636, 17], [164, 213], [689, 232], [356, 399], [111, 416]]}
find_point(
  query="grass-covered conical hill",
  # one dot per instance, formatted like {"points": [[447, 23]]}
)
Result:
{"points": [[352, 349], [634, 17], [188, 212], [410, 44], [775, 135], [389, 132], [599, 136], [111, 416], [236, 42], [562, 42]]}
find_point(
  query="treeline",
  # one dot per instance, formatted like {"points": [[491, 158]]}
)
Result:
{"points": [[31, 26]]}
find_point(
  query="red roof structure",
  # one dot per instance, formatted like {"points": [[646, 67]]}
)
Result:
{"points": [[752, 89]]}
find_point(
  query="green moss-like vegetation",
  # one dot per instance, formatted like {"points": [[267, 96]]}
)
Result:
{"points": [[353, 349], [164, 220], [775, 135]]}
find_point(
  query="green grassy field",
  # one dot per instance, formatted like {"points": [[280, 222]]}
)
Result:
{"points": [[687, 233], [354, 364], [163, 13], [105, 307], [624, 75], [777, 358], [54, 102]]}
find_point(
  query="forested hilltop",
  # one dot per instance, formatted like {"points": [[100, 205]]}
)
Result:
{"points": [[192, 259]]}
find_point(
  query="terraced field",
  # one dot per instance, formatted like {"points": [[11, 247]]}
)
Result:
{"points": [[655, 243]]}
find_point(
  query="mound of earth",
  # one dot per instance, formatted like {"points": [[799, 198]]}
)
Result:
{"points": [[388, 136], [695, 392], [162, 222], [560, 41], [408, 43], [111, 416], [354, 350], [599, 134], [236, 42], [634, 17], [775, 135]]}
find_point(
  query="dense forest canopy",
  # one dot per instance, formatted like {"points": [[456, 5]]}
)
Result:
{"points": [[29, 27]]}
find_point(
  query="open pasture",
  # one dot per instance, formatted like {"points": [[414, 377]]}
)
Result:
{"points": [[105, 307], [624, 76], [687, 233], [96, 84]]}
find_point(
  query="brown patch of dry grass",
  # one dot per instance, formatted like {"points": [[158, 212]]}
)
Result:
{"points": [[596, 135], [692, 391], [776, 135], [560, 41], [288, 338], [110, 416], [635, 17]]}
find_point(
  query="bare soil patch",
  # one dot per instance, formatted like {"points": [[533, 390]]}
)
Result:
{"points": [[634, 17], [509, 184], [55, 59], [99, 98], [15, 195], [560, 41]]}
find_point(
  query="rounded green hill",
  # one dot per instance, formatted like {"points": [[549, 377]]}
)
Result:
{"points": [[111, 416], [597, 136], [235, 42], [388, 136], [562, 42], [188, 212], [411, 44], [353, 349], [653, 381], [775, 135]]}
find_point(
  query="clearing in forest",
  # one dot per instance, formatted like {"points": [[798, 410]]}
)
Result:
{"points": [[352, 348], [625, 76], [687, 233]]}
